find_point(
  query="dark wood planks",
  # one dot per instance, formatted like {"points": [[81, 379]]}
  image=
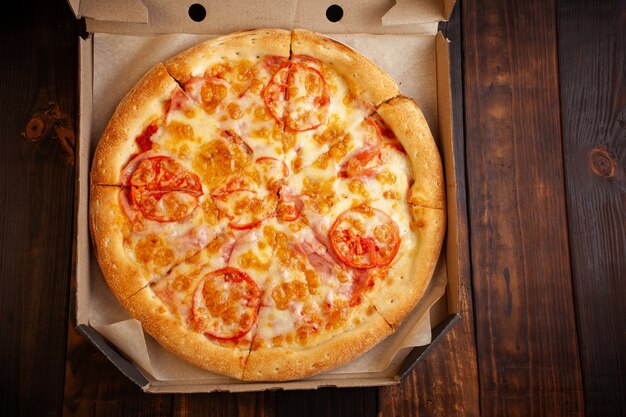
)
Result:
{"points": [[247, 404], [525, 323], [36, 202], [592, 58], [94, 387], [327, 402], [446, 382]]}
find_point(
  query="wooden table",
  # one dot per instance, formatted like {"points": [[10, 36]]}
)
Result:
{"points": [[540, 102]]}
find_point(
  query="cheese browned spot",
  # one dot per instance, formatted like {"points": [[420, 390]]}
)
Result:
{"points": [[217, 159]]}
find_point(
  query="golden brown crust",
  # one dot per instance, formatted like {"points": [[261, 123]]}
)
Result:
{"points": [[427, 200], [169, 330], [280, 364], [395, 301], [108, 227], [364, 77], [407, 122], [140, 107], [251, 44]]}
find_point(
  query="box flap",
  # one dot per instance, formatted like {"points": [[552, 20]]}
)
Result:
{"points": [[448, 6], [74, 5], [130, 11], [218, 17], [407, 12]]}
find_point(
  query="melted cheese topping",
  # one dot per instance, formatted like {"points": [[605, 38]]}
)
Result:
{"points": [[252, 166]]}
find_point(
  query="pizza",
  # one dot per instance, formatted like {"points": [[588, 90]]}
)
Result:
{"points": [[267, 204]]}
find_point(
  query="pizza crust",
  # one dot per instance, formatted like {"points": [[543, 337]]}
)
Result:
{"points": [[363, 76], [280, 364], [108, 227], [408, 123], [427, 202], [251, 44], [395, 299], [157, 320], [140, 107]]}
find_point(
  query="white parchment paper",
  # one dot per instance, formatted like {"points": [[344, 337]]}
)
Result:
{"points": [[121, 60]]}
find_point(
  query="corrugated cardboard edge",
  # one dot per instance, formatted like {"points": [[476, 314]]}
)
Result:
{"points": [[85, 59], [446, 143], [304, 384]]}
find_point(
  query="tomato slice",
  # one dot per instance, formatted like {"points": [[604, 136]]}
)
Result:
{"points": [[298, 97], [225, 304], [308, 98], [365, 237], [274, 94], [364, 164], [161, 189]]}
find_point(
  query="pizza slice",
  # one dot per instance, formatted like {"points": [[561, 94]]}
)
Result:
{"points": [[357, 198], [227, 77], [312, 316], [149, 207], [203, 309], [426, 205], [132, 126], [327, 89], [209, 303]]}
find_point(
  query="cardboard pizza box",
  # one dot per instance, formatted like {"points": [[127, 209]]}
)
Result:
{"points": [[126, 37]]}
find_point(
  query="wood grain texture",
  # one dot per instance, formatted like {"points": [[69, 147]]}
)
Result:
{"points": [[36, 202], [215, 404], [525, 322], [546, 219], [247, 404], [327, 402], [94, 387], [592, 58], [446, 382], [259, 404]]}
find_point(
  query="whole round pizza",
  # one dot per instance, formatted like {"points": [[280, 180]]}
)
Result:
{"points": [[267, 204]]}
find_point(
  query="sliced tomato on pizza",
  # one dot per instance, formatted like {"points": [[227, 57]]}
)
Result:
{"points": [[365, 237], [298, 97], [160, 188], [225, 304]]}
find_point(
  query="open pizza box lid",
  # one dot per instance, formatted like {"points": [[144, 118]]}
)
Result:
{"points": [[127, 37]]}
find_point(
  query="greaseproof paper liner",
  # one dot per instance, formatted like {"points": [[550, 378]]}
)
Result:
{"points": [[121, 60]]}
